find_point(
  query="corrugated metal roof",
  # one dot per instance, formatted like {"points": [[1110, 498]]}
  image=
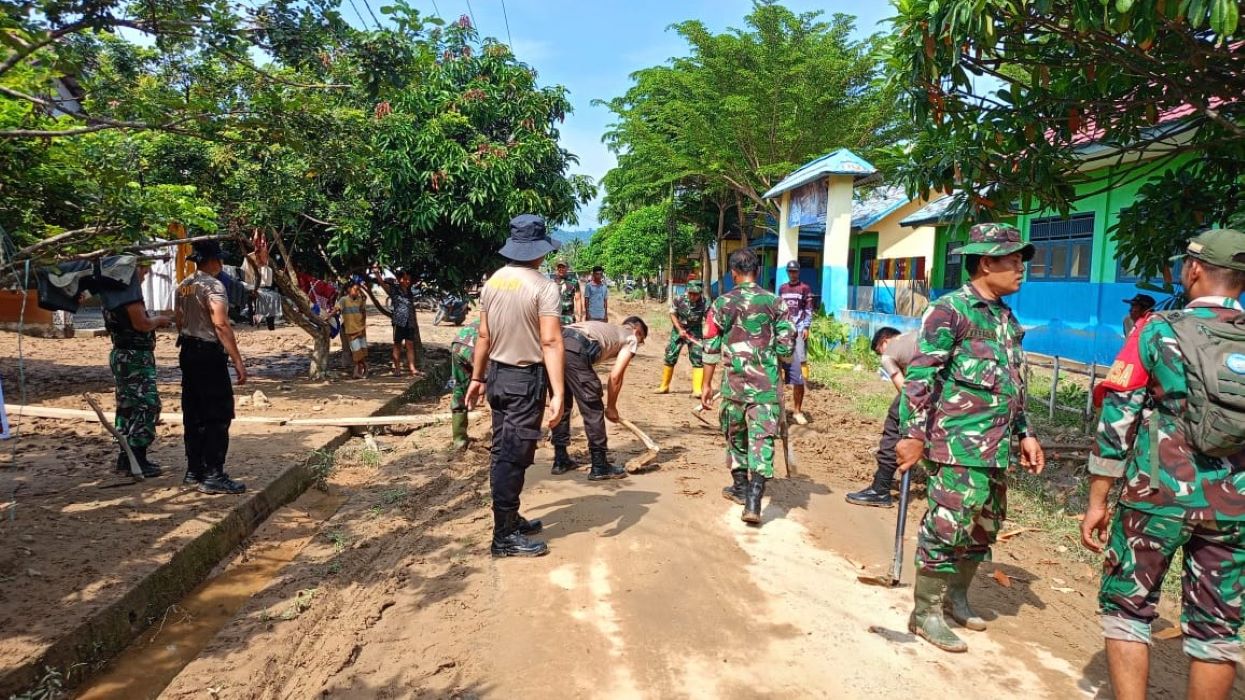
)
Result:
{"points": [[840, 162], [936, 212], [877, 205]]}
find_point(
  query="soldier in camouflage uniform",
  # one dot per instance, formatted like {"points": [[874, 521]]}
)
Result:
{"points": [[133, 364], [1175, 498], [687, 317], [462, 352], [748, 328], [963, 401], [568, 287]]}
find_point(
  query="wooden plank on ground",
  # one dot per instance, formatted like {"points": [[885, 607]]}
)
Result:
{"points": [[344, 421]]}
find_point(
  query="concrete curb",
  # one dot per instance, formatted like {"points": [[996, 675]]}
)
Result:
{"points": [[107, 632]]}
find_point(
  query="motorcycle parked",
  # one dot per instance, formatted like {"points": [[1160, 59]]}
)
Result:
{"points": [[452, 308]]}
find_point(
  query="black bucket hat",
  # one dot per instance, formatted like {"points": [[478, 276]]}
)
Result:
{"points": [[528, 239]]}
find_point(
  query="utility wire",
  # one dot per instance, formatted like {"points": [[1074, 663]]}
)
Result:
{"points": [[473, 16], [509, 40], [368, 5], [436, 9], [358, 14]]}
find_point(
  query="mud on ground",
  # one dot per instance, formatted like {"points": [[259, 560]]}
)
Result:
{"points": [[79, 537], [653, 588]]}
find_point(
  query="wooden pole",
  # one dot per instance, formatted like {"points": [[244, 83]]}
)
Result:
{"points": [[1054, 385]]}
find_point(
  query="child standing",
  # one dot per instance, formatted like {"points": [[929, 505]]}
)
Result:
{"points": [[353, 310]]}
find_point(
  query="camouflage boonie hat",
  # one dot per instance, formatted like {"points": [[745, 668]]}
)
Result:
{"points": [[995, 240], [695, 286]]}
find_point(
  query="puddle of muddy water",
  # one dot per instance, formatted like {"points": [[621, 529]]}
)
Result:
{"points": [[148, 665]]}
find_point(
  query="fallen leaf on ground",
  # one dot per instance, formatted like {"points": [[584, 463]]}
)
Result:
{"points": [[1062, 589], [1047, 562], [1169, 633], [1003, 579]]}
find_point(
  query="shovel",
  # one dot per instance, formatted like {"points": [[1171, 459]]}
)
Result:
{"points": [[637, 464], [892, 580]]}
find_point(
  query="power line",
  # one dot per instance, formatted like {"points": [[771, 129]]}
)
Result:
{"points": [[368, 5], [435, 8], [509, 40], [359, 14], [473, 16]]}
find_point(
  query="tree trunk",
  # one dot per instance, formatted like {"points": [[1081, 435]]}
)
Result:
{"points": [[297, 307], [720, 274], [743, 228]]}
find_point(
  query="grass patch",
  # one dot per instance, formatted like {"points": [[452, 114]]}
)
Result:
{"points": [[871, 395], [322, 463]]}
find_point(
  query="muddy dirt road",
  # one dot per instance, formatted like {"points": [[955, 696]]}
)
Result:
{"points": [[653, 588]]}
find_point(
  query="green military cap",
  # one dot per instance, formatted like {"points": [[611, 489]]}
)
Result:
{"points": [[695, 286], [995, 240], [1222, 247]]}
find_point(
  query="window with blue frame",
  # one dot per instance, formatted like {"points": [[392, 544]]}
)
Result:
{"points": [[1064, 248]]}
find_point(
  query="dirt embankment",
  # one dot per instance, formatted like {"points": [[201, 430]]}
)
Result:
{"points": [[79, 539]]}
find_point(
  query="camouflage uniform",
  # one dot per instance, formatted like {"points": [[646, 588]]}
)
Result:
{"points": [[692, 316], [748, 325], [568, 288], [133, 364], [964, 397], [1177, 499], [462, 357]]}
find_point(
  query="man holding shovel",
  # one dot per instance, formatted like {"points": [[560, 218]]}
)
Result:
{"points": [[963, 402], [748, 328], [897, 350], [589, 343]]}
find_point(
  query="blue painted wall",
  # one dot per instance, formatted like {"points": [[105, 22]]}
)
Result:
{"points": [[1081, 321]]}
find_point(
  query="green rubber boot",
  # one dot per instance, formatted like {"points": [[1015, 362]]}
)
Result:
{"points": [[956, 603], [927, 621], [459, 421]]}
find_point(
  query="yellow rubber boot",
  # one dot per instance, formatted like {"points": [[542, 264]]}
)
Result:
{"points": [[667, 374], [698, 380]]}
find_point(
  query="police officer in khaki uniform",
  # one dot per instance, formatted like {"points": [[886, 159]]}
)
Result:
{"points": [[207, 345], [518, 358]]}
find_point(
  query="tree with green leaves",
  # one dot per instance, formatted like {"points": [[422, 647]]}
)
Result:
{"points": [[641, 243], [745, 108], [1010, 95]]}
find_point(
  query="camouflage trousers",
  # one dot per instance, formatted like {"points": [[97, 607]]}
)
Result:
{"points": [[675, 347], [138, 399], [967, 506], [460, 376], [1140, 550], [750, 430]]}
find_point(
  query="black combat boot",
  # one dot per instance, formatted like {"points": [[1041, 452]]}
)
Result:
{"points": [[530, 527], [601, 467], [192, 479], [150, 469], [508, 541], [872, 496], [752, 504], [123, 464], [562, 461], [737, 492], [217, 481]]}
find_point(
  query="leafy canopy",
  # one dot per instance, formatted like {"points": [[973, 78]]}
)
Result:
{"points": [[1010, 96]]}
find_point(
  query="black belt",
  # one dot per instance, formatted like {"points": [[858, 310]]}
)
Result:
{"points": [[530, 369], [189, 341], [580, 344]]}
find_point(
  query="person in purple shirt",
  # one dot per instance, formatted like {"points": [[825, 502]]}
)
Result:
{"points": [[799, 300]]}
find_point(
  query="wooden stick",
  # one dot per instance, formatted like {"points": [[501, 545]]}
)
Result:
{"points": [[345, 421], [136, 471], [648, 442]]}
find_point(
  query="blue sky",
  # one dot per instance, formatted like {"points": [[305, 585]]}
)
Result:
{"points": [[591, 47]]}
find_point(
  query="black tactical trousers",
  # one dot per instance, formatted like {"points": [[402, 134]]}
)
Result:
{"points": [[517, 397], [583, 386], [884, 477], [207, 404]]}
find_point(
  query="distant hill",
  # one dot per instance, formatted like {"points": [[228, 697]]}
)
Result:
{"points": [[565, 236]]}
